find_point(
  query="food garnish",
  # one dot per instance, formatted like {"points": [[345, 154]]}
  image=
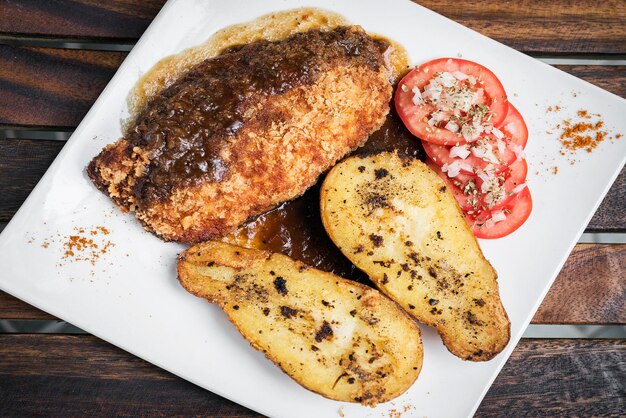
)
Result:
{"points": [[474, 136]]}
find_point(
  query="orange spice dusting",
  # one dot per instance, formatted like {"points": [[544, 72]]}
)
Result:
{"points": [[583, 114], [81, 246], [582, 135], [397, 413]]}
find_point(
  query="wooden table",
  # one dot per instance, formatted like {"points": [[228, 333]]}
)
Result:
{"points": [[47, 87]]}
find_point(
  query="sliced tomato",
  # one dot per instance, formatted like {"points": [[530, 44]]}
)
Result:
{"points": [[454, 185], [515, 175], [517, 211], [477, 202], [415, 117], [514, 127], [440, 154]]}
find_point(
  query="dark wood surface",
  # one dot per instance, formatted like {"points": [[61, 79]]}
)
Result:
{"points": [[532, 26], [611, 215], [112, 20], [541, 378], [63, 84], [22, 164], [590, 289], [52, 89], [543, 27]]}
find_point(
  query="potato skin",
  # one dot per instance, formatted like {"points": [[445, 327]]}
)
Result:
{"points": [[394, 218], [335, 337]]}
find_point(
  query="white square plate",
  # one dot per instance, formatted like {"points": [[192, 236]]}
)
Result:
{"points": [[131, 298]]}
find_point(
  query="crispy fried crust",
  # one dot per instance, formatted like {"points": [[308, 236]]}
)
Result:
{"points": [[333, 336], [285, 142], [394, 219]]}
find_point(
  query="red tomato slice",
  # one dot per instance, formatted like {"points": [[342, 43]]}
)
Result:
{"points": [[454, 185], [515, 176], [440, 154], [415, 116], [517, 211], [477, 203], [514, 127]]}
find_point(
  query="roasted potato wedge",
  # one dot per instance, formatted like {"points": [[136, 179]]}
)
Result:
{"points": [[338, 338], [394, 219]]}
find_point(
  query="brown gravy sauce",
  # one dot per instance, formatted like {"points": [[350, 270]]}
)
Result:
{"points": [[294, 228]]}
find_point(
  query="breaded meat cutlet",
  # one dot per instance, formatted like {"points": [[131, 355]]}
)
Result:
{"points": [[242, 132]]}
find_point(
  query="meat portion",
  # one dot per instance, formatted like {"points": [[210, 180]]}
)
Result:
{"points": [[240, 133]]}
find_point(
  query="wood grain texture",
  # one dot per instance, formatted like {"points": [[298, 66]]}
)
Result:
{"points": [[611, 78], [566, 378], [82, 375], [532, 26], [22, 163], [611, 215], [44, 87], [82, 19], [14, 308], [589, 290], [54, 88], [543, 27]]}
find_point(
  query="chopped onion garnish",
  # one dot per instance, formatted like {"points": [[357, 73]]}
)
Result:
{"points": [[452, 127], [510, 128], [417, 96], [469, 132], [519, 151], [484, 150], [497, 133], [501, 146], [498, 216], [460, 151], [518, 188], [460, 76], [478, 151], [446, 79], [453, 169]]}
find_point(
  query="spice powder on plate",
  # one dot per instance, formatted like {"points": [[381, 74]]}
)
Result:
{"points": [[84, 246], [583, 133]]}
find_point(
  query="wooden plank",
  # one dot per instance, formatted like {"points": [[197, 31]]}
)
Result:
{"points": [[22, 163], [13, 308], [117, 20], [589, 290], [43, 87], [543, 27], [54, 88], [82, 375], [611, 215], [560, 378], [532, 26], [611, 78]]}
